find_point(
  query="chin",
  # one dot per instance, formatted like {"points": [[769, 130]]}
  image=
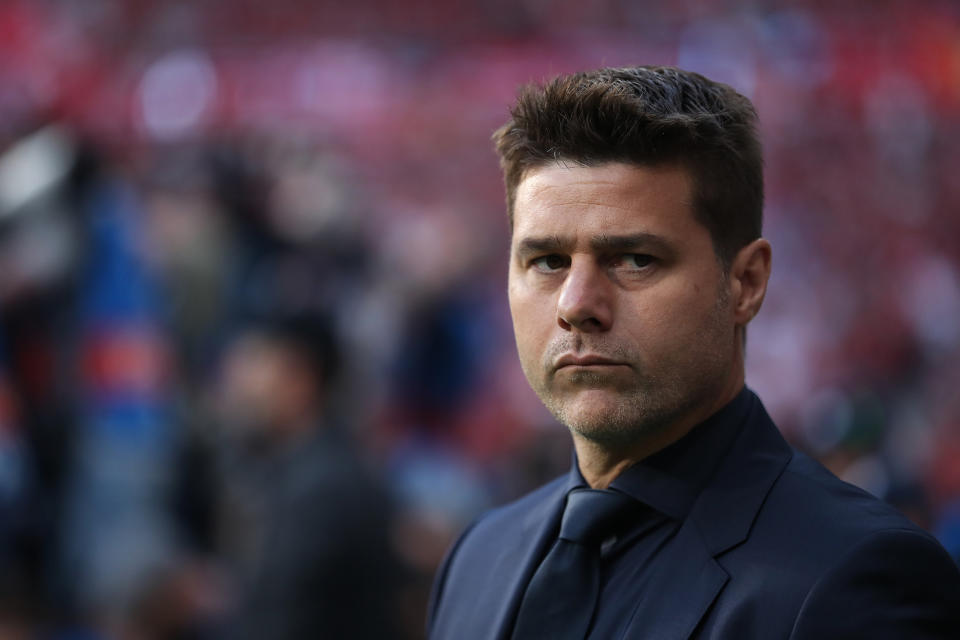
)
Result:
{"points": [[610, 418], [600, 415], [609, 433], [593, 406]]}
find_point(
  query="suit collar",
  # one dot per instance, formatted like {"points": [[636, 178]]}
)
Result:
{"points": [[671, 479], [686, 569], [726, 509]]}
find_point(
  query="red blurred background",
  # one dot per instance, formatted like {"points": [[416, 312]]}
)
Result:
{"points": [[175, 176]]}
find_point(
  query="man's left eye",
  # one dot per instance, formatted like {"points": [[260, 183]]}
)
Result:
{"points": [[636, 260]]}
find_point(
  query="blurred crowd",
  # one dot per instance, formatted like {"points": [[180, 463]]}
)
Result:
{"points": [[256, 365]]}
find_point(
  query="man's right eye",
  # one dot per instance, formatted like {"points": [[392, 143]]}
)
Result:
{"points": [[550, 263]]}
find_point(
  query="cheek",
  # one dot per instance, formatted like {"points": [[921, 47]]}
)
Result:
{"points": [[670, 319], [533, 320]]}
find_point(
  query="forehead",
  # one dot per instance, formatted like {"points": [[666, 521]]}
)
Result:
{"points": [[566, 199]]}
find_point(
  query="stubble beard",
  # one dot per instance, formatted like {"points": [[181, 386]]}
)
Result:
{"points": [[645, 402], [647, 408]]}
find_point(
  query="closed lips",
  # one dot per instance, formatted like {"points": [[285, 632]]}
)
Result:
{"points": [[585, 361]]}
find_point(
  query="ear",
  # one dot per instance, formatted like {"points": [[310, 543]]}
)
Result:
{"points": [[749, 273]]}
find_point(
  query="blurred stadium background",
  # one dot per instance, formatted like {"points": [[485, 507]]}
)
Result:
{"points": [[185, 186]]}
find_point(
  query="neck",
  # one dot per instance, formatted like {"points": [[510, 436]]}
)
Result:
{"points": [[600, 464]]}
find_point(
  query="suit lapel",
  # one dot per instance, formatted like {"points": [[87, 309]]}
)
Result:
{"points": [[686, 577], [483, 584], [724, 512], [685, 581], [517, 560]]}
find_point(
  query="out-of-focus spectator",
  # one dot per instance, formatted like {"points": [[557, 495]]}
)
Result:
{"points": [[305, 525]]}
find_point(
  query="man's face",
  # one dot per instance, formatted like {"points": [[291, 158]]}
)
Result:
{"points": [[619, 304], [266, 388]]}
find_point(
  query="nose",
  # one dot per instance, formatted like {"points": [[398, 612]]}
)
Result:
{"points": [[585, 301]]}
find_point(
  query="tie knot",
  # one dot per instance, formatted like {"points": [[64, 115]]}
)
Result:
{"points": [[591, 514]]}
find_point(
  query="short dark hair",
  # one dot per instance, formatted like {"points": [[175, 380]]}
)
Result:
{"points": [[311, 336], [646, 116]]}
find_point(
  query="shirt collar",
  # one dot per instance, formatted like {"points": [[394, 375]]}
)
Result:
{"points": [[671, 479]]}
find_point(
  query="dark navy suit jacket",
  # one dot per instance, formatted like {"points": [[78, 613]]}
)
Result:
{"points": [[775, 547]]}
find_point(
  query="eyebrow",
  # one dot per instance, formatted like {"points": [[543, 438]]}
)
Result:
{"points": [[601, 243], [608, 244], [541, 244]]}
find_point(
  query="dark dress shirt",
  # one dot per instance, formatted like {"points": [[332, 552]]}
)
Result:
{"points": [[666, 484]]}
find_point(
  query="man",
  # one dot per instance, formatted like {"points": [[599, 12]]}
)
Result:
{"points": [[306, 525], [636, 262]]}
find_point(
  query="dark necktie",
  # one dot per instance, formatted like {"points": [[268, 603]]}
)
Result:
{"points": [[562, 594]]}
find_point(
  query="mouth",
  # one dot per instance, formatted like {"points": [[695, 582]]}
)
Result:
{"points": [[591, 361]]}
